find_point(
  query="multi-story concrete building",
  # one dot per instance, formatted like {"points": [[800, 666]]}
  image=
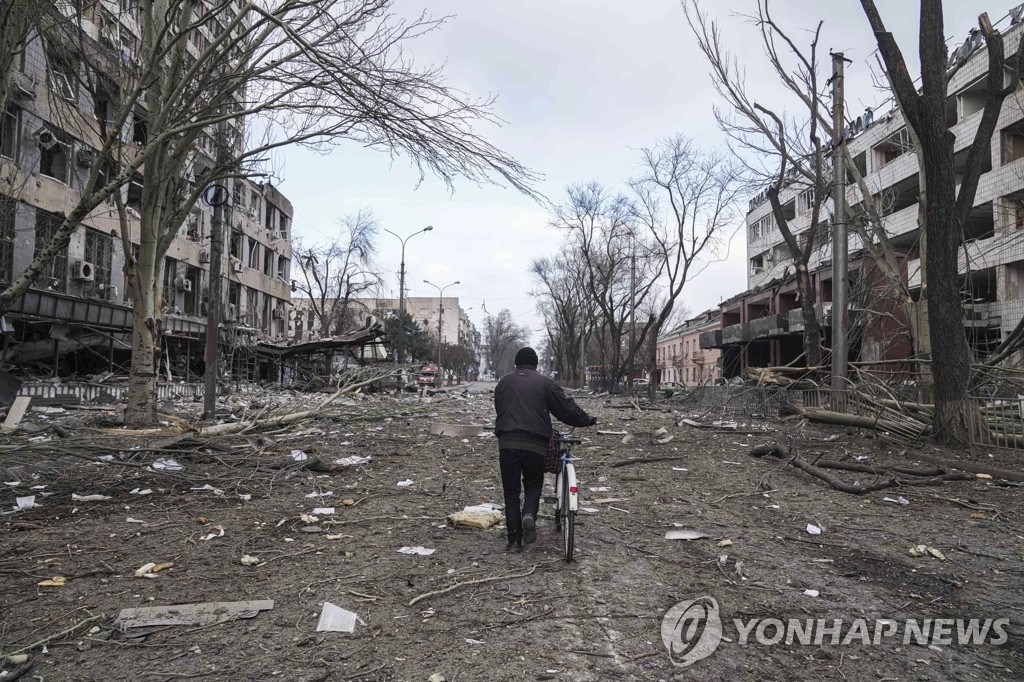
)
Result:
{"points": [[681, 359], [81, 307], [763, 325]]}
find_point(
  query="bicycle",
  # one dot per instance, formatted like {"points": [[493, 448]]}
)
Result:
{"points": [[567, 498]]}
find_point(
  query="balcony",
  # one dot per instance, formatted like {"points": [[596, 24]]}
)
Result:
{"points": [[699, 357], [795, 317], [711, 339], [769, 325], [734, 334]]}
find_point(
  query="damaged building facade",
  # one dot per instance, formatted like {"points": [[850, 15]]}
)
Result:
{"points": [[763, 326], [77, 318]]}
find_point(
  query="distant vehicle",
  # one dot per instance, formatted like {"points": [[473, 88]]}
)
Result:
{"points": [[429, 376], [640, 385]]}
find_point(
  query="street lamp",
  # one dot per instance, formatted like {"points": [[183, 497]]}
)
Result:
{"points": [[401, 286], [440, 317]]}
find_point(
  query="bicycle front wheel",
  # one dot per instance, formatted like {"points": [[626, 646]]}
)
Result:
{"points": [[559, 506], [568, 523]]}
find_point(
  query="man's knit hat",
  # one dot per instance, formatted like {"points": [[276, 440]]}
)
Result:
{"points": [[527, 357]]}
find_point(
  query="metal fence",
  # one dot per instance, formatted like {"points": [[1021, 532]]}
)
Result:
{"points": [[996, 422]]}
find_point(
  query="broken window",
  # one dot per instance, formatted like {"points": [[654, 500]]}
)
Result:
{"points": [[63, 75], [1013, 142], [892, 147], [193, 276], [99, 250], [235, 250], [254, 254], [55, 155], [284, 226], [8, 218], [252, 310], [282, 267], [134, 199], [270, 217], [9, 133], [170, 274], [140, 128], [54, 275], [268, 262]]}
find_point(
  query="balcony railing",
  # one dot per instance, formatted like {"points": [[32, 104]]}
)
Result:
{"points": [[769, 325]]}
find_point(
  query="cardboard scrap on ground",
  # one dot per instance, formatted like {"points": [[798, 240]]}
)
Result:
{"points": [[421, 551], [205, 613], [336, 619], [352, 461], [75, 497]]}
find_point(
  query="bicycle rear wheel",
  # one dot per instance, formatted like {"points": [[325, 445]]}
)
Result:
{"points": [[568, 523], [559, 486]]}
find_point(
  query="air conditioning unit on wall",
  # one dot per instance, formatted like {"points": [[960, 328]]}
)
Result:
{"points": [[204, 256], [84, 271]]}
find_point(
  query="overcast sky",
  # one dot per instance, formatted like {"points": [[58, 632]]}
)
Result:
{"points": [[581, 85]]}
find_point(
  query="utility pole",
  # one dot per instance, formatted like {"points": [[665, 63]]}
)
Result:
{"points": [[632, 310], [401, 290], [440, 318], [217, 196], [839, 240]]}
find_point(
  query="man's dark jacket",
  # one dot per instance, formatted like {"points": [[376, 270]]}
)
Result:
{"points": [[525, 400]]}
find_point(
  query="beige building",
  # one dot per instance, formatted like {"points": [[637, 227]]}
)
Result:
{"points": [[81, 306], [680, 357]]}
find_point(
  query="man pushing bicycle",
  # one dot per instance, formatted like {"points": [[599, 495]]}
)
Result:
{"points": [[524, 401]]}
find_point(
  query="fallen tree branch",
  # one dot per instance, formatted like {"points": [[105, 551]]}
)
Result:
{"points": [[852, 489], [478, 581], [238, 427], [62, 633]]}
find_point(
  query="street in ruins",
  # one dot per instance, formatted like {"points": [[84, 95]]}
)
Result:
{"points": [[300, 515]]}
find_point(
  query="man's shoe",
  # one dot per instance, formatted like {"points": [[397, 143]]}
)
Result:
{"points": [[529, 529], [514, 546]]}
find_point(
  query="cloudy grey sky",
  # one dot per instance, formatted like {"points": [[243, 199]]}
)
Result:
{"points": [[581, 85]]}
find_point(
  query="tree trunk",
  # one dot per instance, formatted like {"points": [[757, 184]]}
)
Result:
{"points": [[812, 326], [944, 308], [141, 408], [147, 293]]}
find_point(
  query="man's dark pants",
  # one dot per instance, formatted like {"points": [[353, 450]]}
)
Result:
{"points": [[529, 466]]}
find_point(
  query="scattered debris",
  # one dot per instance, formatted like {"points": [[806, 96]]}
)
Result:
{"points": [[205, 613], [899, 500], [811, 593], [725, 543], [23, 503], [684, 534], [406, 483], [612, 433], [336, 619], [151, 569], [480, 516], [299, 456], [421, 551], [475, 642], [211, 536], [352, 461], [627, 439], [457, 430], [209, 488], [437, 677], [922, 550], [55, 581], [166, 465], [75, 497], [323, 511], [813, 530]]}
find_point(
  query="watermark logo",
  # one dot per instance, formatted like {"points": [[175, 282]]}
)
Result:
{"points": [[691, 630]]}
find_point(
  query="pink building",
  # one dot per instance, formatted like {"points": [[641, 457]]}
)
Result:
{"points": [[681, 360]]}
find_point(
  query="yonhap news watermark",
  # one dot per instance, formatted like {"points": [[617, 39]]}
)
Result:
{"points": [[692, 630]]}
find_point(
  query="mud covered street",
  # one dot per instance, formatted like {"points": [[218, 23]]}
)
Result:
{"points": [[508, 616]]}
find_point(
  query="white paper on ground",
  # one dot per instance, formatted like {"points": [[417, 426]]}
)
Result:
{"points": [[323, 510], [165, 465], [299, 455], [352, 461], [27, 502], [422, 551], [685, 535], [406, 483], [336, 619], [813, 530]]}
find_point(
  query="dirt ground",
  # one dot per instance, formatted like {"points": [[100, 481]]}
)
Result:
{"points": [[542, 619]]}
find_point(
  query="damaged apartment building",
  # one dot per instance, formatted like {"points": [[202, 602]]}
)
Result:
{"points": [[763, 326], [76, 320]]}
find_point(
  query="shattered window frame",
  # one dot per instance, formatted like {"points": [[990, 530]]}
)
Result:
{"points": [[99, 250], [8, 223], [54, 275]]}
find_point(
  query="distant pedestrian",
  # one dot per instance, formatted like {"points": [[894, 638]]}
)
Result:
{"points": [[524, 401]]}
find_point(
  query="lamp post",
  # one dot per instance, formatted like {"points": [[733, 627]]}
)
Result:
{"points": [[401, 287], [440, 318]]}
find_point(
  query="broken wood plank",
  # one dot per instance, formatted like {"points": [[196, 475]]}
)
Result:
{"points": [[16, 413]]}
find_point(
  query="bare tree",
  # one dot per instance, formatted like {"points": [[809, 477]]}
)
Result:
{"points": [[567, 309], [331, 275], [686, 201], [258, 77], [946, 209], [503, 338], [787, 147]]}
